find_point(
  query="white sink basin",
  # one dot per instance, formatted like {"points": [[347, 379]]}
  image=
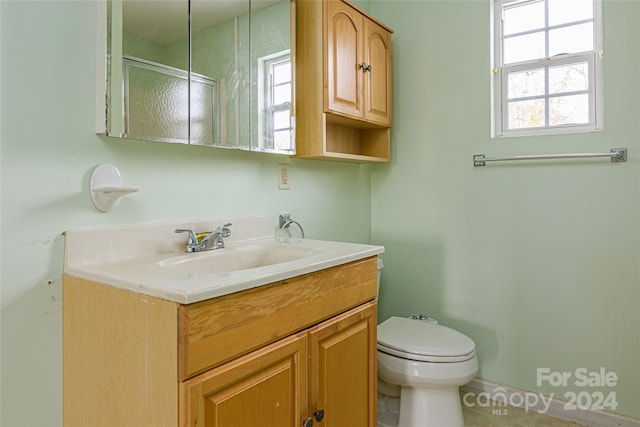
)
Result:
{"points": [[149, 258], [237, 258]]}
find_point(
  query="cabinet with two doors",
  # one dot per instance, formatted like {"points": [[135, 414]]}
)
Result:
{"points": [[299, 352], [343, 83]]}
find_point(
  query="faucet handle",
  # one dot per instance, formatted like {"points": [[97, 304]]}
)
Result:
{"points": [[224, 230], [192, 239]]}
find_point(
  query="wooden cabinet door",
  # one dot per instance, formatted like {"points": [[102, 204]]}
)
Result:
{"points": [[343, 77], [266, 388], [342, 370], [377, 79]]}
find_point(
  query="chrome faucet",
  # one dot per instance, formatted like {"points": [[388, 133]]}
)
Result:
{"points": [[198, 242]]}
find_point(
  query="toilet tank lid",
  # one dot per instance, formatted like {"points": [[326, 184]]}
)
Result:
{"points": [[423, 338]]}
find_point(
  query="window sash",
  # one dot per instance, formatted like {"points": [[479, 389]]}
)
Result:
{"points": [[272, 108], [267, 123], [502, 71], [546, 96]]}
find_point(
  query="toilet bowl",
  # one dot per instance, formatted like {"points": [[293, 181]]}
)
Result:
{"points": [[422, 364]]}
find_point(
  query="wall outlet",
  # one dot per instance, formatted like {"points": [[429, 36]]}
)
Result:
{"points": [[283, 176]]}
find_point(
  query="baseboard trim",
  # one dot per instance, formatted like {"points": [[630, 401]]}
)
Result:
{"points": [[554, 407]]}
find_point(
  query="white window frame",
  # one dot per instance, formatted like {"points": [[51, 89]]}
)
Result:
{"points": [[266, 88], [501, 71]]}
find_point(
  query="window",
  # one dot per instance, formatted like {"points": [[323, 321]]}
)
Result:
{"points": [[276, 129], [548, 77]]}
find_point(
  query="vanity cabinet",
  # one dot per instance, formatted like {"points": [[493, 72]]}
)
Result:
{"points": [[265, 387], [271, 356], [342, 368], [343, 83], [327, 368]]}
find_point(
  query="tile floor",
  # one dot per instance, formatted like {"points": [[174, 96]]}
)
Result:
{"points": [[508, 416], [480, 415]]}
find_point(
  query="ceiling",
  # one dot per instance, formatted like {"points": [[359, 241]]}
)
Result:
{"points": [[165, 21]]}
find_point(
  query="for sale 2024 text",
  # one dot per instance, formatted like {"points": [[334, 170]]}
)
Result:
{"points": [[583, 378]]}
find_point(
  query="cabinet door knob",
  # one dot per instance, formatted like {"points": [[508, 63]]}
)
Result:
{"points": [[364, 67], [319, 414], [308, 422]]}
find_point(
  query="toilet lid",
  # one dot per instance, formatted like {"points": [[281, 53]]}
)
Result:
{"points": [[420, 340]]}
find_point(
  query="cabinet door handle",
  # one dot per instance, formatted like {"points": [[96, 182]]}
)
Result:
{"points": [[319, 414], [365, 67], [308, 422]]}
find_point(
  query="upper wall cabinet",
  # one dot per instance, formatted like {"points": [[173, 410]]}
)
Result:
{"points": [[344, 106], [199, 72], [364, 91]]}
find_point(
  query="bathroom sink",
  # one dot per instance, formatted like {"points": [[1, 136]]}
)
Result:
{"points": [[149, 258], [237, 258]]}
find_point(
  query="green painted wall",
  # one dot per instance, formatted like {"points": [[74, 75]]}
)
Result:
{"points": [[538, 262], [48, 150], [144, 49]]}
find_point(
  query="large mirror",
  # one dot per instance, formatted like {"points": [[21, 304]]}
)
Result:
{"points": [[202, 72]]}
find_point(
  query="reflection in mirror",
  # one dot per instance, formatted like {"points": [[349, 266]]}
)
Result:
{"points": [[272, 83], [220, 49], [148, 88], [213, 81]]}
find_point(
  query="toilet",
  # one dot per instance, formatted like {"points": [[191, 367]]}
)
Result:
{"points": [[421, 365]]}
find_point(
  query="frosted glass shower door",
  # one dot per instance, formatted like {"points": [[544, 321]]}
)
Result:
{"points": [[156, 104]]}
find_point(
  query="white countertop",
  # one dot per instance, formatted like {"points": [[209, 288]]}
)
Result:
{"points": [[132, 257]]}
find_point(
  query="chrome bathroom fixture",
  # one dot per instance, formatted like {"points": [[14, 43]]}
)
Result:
{"points": [[616, 155], [207, 241], [285, 221]]}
